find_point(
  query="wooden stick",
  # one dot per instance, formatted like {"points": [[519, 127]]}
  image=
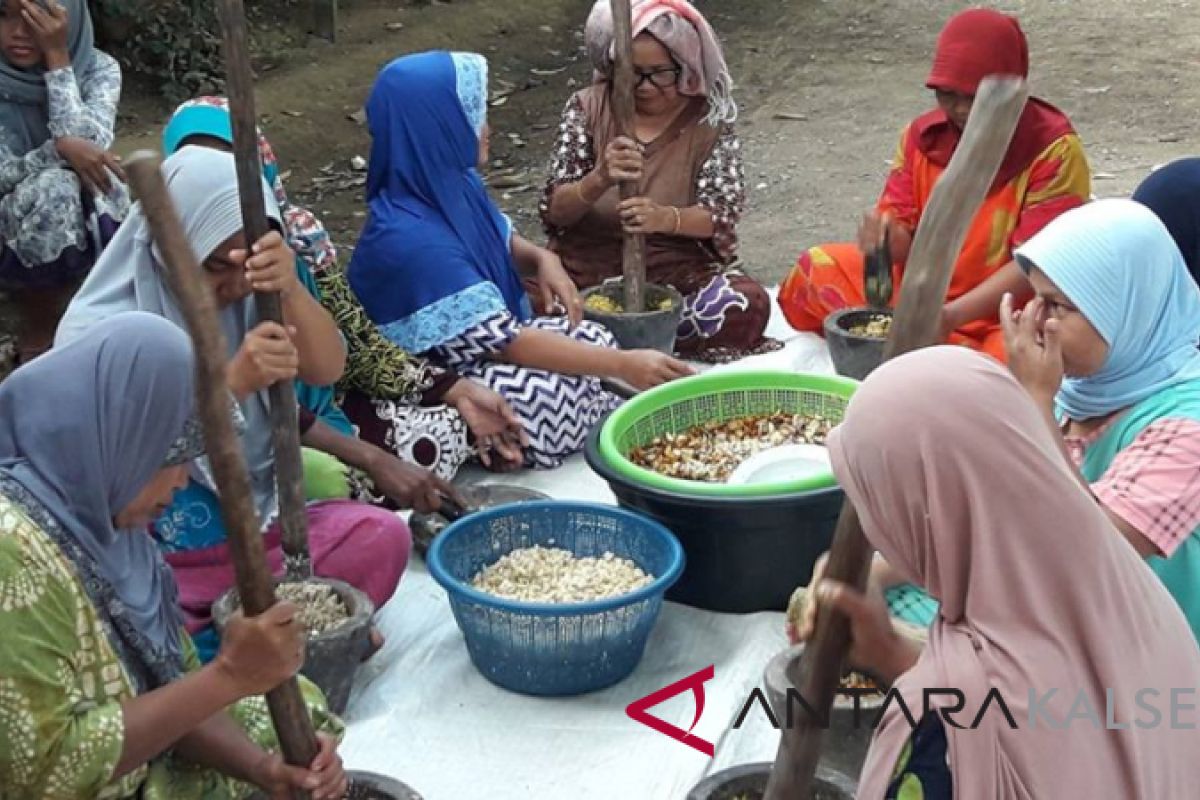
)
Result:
{"points": [[255, 587], [285, 428], [633, 254], [325, 19], [939, 238]]}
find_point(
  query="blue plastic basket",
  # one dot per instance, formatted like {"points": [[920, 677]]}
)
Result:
{"points": [[555, 649]]}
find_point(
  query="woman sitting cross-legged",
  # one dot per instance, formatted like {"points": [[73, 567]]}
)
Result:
{"points": [[436, 266], [1043, 174], [387, 399], [688, 162], [1107, 350]]}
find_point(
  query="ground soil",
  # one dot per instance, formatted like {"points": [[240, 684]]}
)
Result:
{"points": [[824, 88]]}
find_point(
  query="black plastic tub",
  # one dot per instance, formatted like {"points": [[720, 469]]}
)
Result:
{"points": [[853, 355], [743, 554]]}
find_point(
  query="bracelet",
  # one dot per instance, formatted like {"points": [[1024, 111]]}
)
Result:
{"points": [[678, 220], [579, 191]]}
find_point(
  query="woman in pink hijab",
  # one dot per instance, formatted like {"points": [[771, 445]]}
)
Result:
{"points": [[1038, 595]]}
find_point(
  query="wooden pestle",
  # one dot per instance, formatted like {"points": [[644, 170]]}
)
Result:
{"points": [[285, 427], [939, 238], [633, 255], [255, 586]]}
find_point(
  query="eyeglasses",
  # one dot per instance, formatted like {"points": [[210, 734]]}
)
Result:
{"points": [[663, 78]]}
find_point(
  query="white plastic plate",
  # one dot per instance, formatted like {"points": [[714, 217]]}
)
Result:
{"points": [[784, 463]]}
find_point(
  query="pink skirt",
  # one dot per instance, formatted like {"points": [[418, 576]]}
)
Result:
{"points": [[364, 546]]}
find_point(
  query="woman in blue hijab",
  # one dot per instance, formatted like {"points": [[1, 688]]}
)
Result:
{"points": [[1173, 193], [436, 265], [99, 678]]}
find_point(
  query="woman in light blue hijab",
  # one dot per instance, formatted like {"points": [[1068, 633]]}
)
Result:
{"points": [[1108, 348], [365, 546]]}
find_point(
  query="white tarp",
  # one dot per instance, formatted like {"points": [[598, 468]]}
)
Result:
{"points": [[423, 714]]}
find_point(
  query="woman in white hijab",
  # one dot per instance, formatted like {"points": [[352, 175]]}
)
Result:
{"points": [[364, 546]]}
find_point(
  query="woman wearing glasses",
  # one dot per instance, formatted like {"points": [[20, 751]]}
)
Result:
{"points": [[688, 161]]}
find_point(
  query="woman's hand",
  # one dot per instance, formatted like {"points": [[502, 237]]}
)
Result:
{"points": [[872, 229], [620, 161], [643, 215], [267, 355], [325, 778], [949, 322], [645, 369], [259, 653], [409, 486], [49, 27], [90, 163], [800, 628], [1035, 359], [876, 647], [492, 421], [271, 266], [557, 288]]}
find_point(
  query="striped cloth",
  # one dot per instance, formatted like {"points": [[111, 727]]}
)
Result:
{"points": [[557, 411]]}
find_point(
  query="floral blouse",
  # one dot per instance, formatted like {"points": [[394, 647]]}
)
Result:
{"points": [[720, 186], [83, 106], [922, 771], [374, 366]]}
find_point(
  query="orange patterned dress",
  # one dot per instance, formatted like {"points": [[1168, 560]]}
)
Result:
{"points": [[829, 277]]}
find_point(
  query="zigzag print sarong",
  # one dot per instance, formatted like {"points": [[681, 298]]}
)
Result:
{"points": [[558, 411]]}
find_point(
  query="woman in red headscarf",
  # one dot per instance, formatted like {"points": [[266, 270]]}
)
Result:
{"points": [[1044, 174]]}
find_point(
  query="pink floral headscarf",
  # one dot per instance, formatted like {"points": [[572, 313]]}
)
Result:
{"points": [[305, 233], [685, 32]]}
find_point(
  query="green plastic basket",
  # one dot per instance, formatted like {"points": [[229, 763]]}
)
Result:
{"points": [[674, 407]]}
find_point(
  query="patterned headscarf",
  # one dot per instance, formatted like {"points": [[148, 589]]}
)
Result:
{"points": [[209, 116], [684, 31]]}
